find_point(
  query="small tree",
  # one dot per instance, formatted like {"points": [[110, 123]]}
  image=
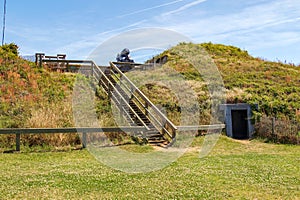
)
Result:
{"points": [[11, 49]]}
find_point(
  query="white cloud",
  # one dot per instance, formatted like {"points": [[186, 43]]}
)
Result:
{"points": [[259, 25], [184, 7], [250, 28], [137, 39], [255, 18], [151, 8], [82, 48]]}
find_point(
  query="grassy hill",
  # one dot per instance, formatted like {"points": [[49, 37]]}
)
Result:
{"points": [[274, 86], [34, 97]]}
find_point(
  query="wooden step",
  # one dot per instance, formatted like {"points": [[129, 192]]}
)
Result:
{"points": [[153, 137]]}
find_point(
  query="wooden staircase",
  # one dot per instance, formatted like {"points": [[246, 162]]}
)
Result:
{"points": [[134, 106], [119, 88], [146, 121]]}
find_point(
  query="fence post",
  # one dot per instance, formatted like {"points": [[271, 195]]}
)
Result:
{"points": [[68, 67], [38, 58], [273, 125], [83, 140], [92, 69], [18, 139]]}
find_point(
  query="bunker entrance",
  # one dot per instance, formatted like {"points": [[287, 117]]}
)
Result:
{"points": [[239, 124]]}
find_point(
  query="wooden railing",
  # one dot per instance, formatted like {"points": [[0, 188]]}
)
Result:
{"points": [[19, 131], [86, 130], [159, 120], [39, 57], [85, 66], [201, 127], [117, 97]]}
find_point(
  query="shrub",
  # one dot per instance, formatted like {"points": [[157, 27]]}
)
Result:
{"points": [[9, 49], [278, 131]]}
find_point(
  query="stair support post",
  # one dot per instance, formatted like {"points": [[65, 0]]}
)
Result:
{"points": [[84, 140], [146, 109]]}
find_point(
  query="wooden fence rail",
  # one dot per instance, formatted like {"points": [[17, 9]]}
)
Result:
{"points": [[83, 130], [201, 127], [86, 130]]}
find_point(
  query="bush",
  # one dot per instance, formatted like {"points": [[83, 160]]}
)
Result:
{"points": [[279, 131], [11, 49]]}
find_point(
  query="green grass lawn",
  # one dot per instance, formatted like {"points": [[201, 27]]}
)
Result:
{"points": [[234, 170]]}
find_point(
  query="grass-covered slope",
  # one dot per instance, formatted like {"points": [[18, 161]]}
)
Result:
{"points": [[26, 87], [31, 96], [274, 86], [34, 97]]}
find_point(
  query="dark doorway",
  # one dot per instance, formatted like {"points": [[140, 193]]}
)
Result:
{"points": [[239, 124]]}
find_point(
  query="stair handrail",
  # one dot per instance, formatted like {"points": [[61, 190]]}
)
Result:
{"points": [[143, 96], [145, 107], [114, 89]]}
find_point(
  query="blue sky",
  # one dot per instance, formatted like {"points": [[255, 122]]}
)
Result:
{"points": [[266, 28]]}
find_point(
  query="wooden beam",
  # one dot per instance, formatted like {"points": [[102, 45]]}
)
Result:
{"points": [[71, 130], [201, 127], [67, 61], [83, 130]]}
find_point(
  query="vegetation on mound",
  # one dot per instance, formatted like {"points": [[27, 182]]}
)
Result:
{"points": [[274, 86], [33, 97]]}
